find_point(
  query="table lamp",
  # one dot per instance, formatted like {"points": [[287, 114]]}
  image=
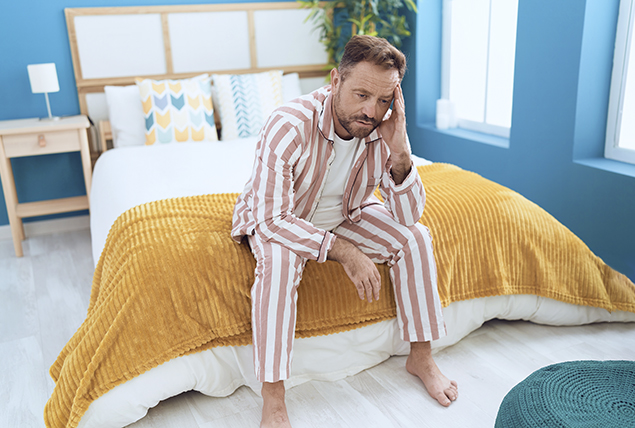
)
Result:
{"points": [[43, 78]]}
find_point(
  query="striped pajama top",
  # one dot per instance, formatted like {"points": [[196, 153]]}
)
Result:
{"points": [[293, 155]]}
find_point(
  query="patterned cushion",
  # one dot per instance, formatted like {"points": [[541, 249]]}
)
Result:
{"points": [[246, 101], [178, 110]]}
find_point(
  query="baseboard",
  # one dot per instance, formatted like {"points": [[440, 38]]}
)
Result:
{"points": [[46, 227]]}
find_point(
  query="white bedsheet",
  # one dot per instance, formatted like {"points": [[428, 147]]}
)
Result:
{"points": [[129, 176], [126, 177]]}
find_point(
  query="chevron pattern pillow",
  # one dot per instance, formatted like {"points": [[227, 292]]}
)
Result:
{"points": [[246, 101], [178, 110]]}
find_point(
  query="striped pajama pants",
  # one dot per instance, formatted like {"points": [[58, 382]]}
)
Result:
{"points": [[407, 251]]}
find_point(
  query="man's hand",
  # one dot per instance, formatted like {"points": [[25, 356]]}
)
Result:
{"points": [[359, 268], [393, 130]]}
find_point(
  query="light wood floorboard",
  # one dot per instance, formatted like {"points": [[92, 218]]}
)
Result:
{"points": [[44, 297]]}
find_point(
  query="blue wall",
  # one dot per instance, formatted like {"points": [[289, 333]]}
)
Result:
{"points": [[554, 155]]}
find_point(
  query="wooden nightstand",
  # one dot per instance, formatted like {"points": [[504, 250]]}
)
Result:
{"points": [[33, 137]]}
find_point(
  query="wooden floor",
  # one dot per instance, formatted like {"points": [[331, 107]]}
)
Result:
{"points": [[44, 297]]}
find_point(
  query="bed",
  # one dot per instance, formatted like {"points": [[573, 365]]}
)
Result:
{"points": [[134, 174]]}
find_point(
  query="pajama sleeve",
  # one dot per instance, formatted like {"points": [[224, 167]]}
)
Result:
{"points": [[405, 201]]}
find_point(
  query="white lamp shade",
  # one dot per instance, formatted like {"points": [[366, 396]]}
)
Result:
{"points": [[43, 78]]}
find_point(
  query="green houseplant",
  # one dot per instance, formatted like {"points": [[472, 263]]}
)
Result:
{"points": [[339, 20]]}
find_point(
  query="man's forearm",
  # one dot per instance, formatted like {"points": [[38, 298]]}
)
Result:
{"points": [[360, 269], [404, 195], [400, 167], [339, 249]]}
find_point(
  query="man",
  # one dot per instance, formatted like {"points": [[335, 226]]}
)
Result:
{"points": [[318, 162]]}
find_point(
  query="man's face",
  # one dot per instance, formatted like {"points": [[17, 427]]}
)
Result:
{"points": [[362, 99]]}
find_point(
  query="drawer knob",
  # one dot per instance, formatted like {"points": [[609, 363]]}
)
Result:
{"points": [[41, 140]]}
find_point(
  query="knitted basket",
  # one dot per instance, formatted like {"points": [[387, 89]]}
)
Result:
{"points": [[573, 394]]}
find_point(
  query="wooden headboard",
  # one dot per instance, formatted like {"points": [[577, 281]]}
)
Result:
{"points": [[115, 45]]}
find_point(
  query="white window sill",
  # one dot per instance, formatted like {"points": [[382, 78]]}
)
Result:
{"points": [[478, 137]]}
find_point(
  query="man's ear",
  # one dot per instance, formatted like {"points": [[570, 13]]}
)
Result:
{"points": [[335, 79]]}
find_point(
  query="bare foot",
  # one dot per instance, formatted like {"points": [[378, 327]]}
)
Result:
{"points": [[274, 410], [421, 364]]}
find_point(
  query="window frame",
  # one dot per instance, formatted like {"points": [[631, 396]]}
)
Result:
{"points": [[624, 37]]}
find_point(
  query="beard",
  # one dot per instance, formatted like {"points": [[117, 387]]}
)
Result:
{"points": [[349, 122]]}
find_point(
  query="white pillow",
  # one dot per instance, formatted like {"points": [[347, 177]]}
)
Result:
{"points": [[291, 87], [126, 116]]}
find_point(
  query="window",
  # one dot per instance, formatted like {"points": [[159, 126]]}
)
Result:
{"points": [[620, 127], [479, 43]]}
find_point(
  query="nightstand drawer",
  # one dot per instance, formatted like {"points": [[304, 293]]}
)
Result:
{"points": [[41, 143]]}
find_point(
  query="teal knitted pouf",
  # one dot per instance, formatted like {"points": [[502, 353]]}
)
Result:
{"points": [[573, 394]]}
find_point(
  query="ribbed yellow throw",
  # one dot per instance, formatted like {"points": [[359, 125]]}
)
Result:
{"points": [[170, 280]]}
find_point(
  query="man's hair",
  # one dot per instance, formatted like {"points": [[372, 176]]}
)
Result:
{"points": [[374, 50]]}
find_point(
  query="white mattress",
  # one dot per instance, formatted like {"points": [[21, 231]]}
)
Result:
{"points": [[126, 177]]}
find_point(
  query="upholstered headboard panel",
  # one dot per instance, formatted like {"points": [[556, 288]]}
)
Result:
{"points": [[114, 45]]}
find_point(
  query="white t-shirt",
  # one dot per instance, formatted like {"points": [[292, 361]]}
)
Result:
{"points": [[328, 214]]}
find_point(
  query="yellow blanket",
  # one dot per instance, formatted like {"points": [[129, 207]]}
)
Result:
{"points": [[170, 280]]}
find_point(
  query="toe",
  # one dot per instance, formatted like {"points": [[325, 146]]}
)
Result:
{"points": [[452, 394], [443, 399]]}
